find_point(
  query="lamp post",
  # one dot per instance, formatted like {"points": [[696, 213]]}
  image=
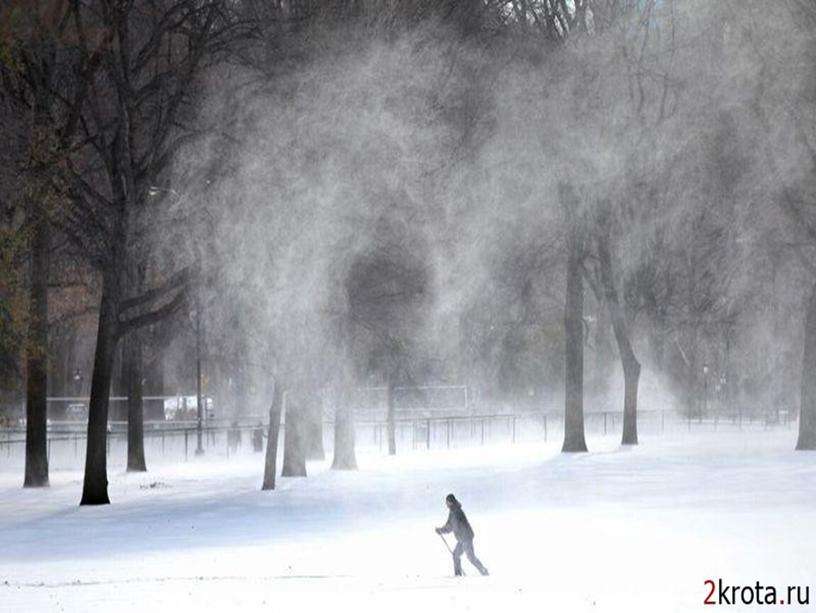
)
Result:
{"points": [[705, 392], [154, 191], [723, 392], [199, 398], [77, 378]]}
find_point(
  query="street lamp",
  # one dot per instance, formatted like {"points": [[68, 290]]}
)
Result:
{"points": [[723, 392], [77, 378], [153, 191], [199, 398], [705, 391]]}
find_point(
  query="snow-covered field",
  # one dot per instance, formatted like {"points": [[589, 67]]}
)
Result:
{"points": [[616, 529]]}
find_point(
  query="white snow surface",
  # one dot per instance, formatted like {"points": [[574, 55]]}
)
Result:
{"points": [[615, 529]]}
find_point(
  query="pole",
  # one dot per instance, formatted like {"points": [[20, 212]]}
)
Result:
{"points": [[199, 400], [450, 551], [444, 540], [705, 397]]}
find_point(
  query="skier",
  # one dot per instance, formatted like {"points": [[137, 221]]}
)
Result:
{"points": [[459, 525]]}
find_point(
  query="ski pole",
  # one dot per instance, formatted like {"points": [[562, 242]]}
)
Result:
{"points": [[444, 540]]}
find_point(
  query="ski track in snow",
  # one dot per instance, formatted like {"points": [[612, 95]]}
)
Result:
{"points": [[617, 529]]}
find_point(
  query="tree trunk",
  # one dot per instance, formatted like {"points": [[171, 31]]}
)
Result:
{"points": [[133, 370], [604, 358], [314, 427], [694, 406], [807, 407], [574, 439], [294, 448], [630, 364], [631, 379], [154, 382], [391, 418], [118, 386], [344, 454], [61, 342], [271, 461], [133, 375], [95, 486], [36, 460]]}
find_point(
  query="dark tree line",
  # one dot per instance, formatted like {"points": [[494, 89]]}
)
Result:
{"points": [[648, 165]]}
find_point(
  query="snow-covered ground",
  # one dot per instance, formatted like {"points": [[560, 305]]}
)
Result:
{"points": [[616, 529]]}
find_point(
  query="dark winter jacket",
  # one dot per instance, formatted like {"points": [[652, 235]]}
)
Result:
{"points": [[458, 524]]}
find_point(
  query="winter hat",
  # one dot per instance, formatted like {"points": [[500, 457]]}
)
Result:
{"points": [[452, 499]]}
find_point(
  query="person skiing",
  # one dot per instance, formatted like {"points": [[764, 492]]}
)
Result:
{"points": [[459, 525]]}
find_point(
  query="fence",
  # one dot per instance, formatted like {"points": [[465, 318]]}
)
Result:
{"points": [[174, 441]]}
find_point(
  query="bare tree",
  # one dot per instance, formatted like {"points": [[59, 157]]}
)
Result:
{"points": [[387, 292], [605, 284], [344, 434], [294, 438], [132, 125], [574, 440], [271, 458], [39, 74], [781, 103]]}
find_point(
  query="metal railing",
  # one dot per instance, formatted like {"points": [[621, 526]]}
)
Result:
{"points": [[177, 440]]}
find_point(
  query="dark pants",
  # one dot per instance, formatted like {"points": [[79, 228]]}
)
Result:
{"points": [[467, 548]]}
